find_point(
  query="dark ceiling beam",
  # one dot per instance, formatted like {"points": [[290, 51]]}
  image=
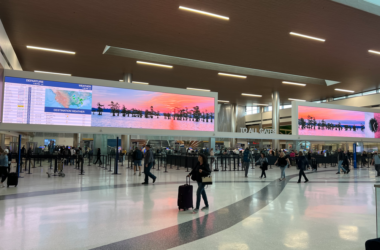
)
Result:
{"points": [[172, 60]]}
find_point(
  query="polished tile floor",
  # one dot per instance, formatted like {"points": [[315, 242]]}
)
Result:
{"points": [[104, 211]]}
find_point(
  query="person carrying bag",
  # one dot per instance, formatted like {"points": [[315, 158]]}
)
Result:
{"points": [[198, 174], [263, 165]]}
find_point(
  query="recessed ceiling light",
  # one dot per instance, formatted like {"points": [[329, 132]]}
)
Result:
{"points": [[291, 99], [374, 51], [53, 50], [232, 75], [310, 37], [345, 90], [140, 82], [259, 104], [294, 83], [199, 89], [155, 64], [204, 13], [222, 101], [37, 71], [251, 95], [121, 80]]}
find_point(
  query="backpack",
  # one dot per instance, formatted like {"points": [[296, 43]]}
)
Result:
{"points": [[246, 156], [301, 163], [65, 152], [138, 155]]}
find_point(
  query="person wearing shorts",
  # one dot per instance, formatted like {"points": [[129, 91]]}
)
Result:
{"points": [[137, 158]]}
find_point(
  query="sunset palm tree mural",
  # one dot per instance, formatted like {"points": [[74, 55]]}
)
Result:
{"points": [[337, 122], [170, 111]]}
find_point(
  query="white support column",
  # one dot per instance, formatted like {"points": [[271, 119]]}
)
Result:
{"points": [[128, 77], [276, 117]]}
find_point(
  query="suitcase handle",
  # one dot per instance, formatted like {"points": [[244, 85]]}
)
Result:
{"points": [[187, 177]]}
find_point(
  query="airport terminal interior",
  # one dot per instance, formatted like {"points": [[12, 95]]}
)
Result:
{"points": [[227, 125]]}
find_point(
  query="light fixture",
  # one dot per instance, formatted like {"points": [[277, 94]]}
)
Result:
{"points": [[204, 13], [291, 99], [345, 90], [155, 64], [232, 75], [251, 95], [259, 104], [140, 82], [37, 71], [199, 89], [310, 37], [121, 80], [374, 51], [53, 50], [222, 101], [294, 83]]}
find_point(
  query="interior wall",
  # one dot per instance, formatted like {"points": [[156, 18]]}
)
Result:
{"points": [[61, 139]]}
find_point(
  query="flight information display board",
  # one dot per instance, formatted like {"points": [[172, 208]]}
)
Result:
{"points": [[32, 101]]}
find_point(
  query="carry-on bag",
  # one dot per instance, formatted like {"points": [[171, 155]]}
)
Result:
{"points": [[185, 196], [12, 179]]}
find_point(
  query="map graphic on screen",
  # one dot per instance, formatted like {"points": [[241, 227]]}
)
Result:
{"points": [[67, 99], [337, 122], [31, 101]]}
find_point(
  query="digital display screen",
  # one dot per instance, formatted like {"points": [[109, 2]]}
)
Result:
{"points": [[337, 122], [31, 101]]}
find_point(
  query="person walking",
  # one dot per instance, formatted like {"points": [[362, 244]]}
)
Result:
{"points": [[346, 162], [201, 169], [340, 161], [148, 164], [302, 163], [263, 165], [212, 156], [137, 156], [246, 160], [376, 160], [282, 162], [3, 167], [98, 154]]}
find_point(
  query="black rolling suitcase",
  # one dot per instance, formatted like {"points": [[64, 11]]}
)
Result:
{"points": [[185, 196], [12, 179]]}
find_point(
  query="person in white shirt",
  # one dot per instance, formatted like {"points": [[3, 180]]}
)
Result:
{"points": [[73, 153]]}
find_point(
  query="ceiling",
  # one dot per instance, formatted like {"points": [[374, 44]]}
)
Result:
{"points": [[256, 36]]}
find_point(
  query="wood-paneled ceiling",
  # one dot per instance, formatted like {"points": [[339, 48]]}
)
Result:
{"points": [[256, 36]]}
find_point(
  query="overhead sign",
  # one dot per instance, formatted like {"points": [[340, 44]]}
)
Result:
{"points": [[255, 131]]}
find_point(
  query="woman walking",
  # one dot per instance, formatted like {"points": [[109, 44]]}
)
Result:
{"points": [[283, 162], [3, 167], [263, 165], [98, 154], [202, 169], [302, 163]]}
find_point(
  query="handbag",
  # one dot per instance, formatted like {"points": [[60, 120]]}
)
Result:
{"points": [[207, 180]]}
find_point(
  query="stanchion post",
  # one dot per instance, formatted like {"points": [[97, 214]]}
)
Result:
{"points": [[81, 169], [116, 157]]}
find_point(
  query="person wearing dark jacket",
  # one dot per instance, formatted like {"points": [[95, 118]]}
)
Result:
{"points": [[246, 159], [202, 169], [283, 162], [340, 161], [263, 167], [302, 164], [148, 164], [98, 154], [346, 162], [137, 156]]}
